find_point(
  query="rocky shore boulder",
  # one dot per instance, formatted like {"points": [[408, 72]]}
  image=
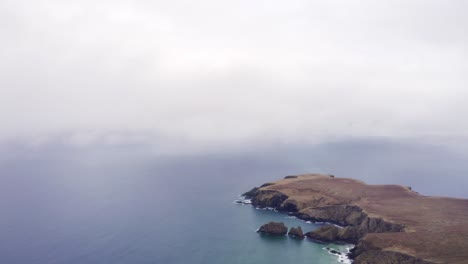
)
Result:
{"points": [[274, 228], [296, 232]]}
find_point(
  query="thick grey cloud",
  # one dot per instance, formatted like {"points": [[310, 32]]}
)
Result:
{"points": [[233, 71]]}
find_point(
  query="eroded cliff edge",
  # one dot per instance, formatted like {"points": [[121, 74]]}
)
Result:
{"points": [[387, 223]]}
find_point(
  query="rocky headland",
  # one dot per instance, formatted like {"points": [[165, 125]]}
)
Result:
{"points": [[386, 223]]}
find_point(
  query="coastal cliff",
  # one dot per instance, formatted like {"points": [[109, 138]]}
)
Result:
{"points": [[387, 223]]}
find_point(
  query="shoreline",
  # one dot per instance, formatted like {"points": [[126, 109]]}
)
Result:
{"points": [[343, 257], [385, 223]]}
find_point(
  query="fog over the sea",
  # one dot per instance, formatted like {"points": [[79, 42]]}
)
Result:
{"points": [[218, 73]]}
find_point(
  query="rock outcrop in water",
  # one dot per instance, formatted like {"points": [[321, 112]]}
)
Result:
{"points": [[274, 228], [387, 223], [296, 232]]}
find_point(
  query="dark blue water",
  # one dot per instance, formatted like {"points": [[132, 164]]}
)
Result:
{"points": [[127, 204]]}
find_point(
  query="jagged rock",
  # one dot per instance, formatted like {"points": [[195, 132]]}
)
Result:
{"points": [[289, 205], [325, 234], [352, 234], [268, 198], [378, 225], [250, 194], [296, 232], [343, 215], [274, 228]]}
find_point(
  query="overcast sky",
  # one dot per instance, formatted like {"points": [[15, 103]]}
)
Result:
{"points": [[233, 71]]}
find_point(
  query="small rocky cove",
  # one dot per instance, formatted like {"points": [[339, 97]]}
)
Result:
{"points": [[280, 229]]}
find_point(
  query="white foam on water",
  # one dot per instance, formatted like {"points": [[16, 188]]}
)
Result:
{"points": [[242, 201], [271, 209], [328, 223], [343, 257]]}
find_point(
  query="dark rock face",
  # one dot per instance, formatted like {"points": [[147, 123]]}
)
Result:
{"points": [[335, 252], [378, 225], [289, 205], [268, 198], [352, 234], [325, 234], [365, 253], [296, 232], [274, 228], [343, 215], [330, 234], [250, 194], [290, 177]]}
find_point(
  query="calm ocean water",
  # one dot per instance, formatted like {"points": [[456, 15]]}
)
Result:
{"points": [[127, 204]]}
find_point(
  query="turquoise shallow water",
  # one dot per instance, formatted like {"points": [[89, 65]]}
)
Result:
{"points": [[268, 249], [127, 204]]}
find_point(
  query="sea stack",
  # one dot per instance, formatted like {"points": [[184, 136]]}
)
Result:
{"points": [[296, 232], [274, 228]]}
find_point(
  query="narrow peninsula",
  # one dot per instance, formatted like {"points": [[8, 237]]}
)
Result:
{"points": [[386, 223]]}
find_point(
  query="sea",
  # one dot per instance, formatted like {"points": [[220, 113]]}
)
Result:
{"points": [[130, 203]]}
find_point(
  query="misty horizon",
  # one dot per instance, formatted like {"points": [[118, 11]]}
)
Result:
{"points": [[216, 73]]}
